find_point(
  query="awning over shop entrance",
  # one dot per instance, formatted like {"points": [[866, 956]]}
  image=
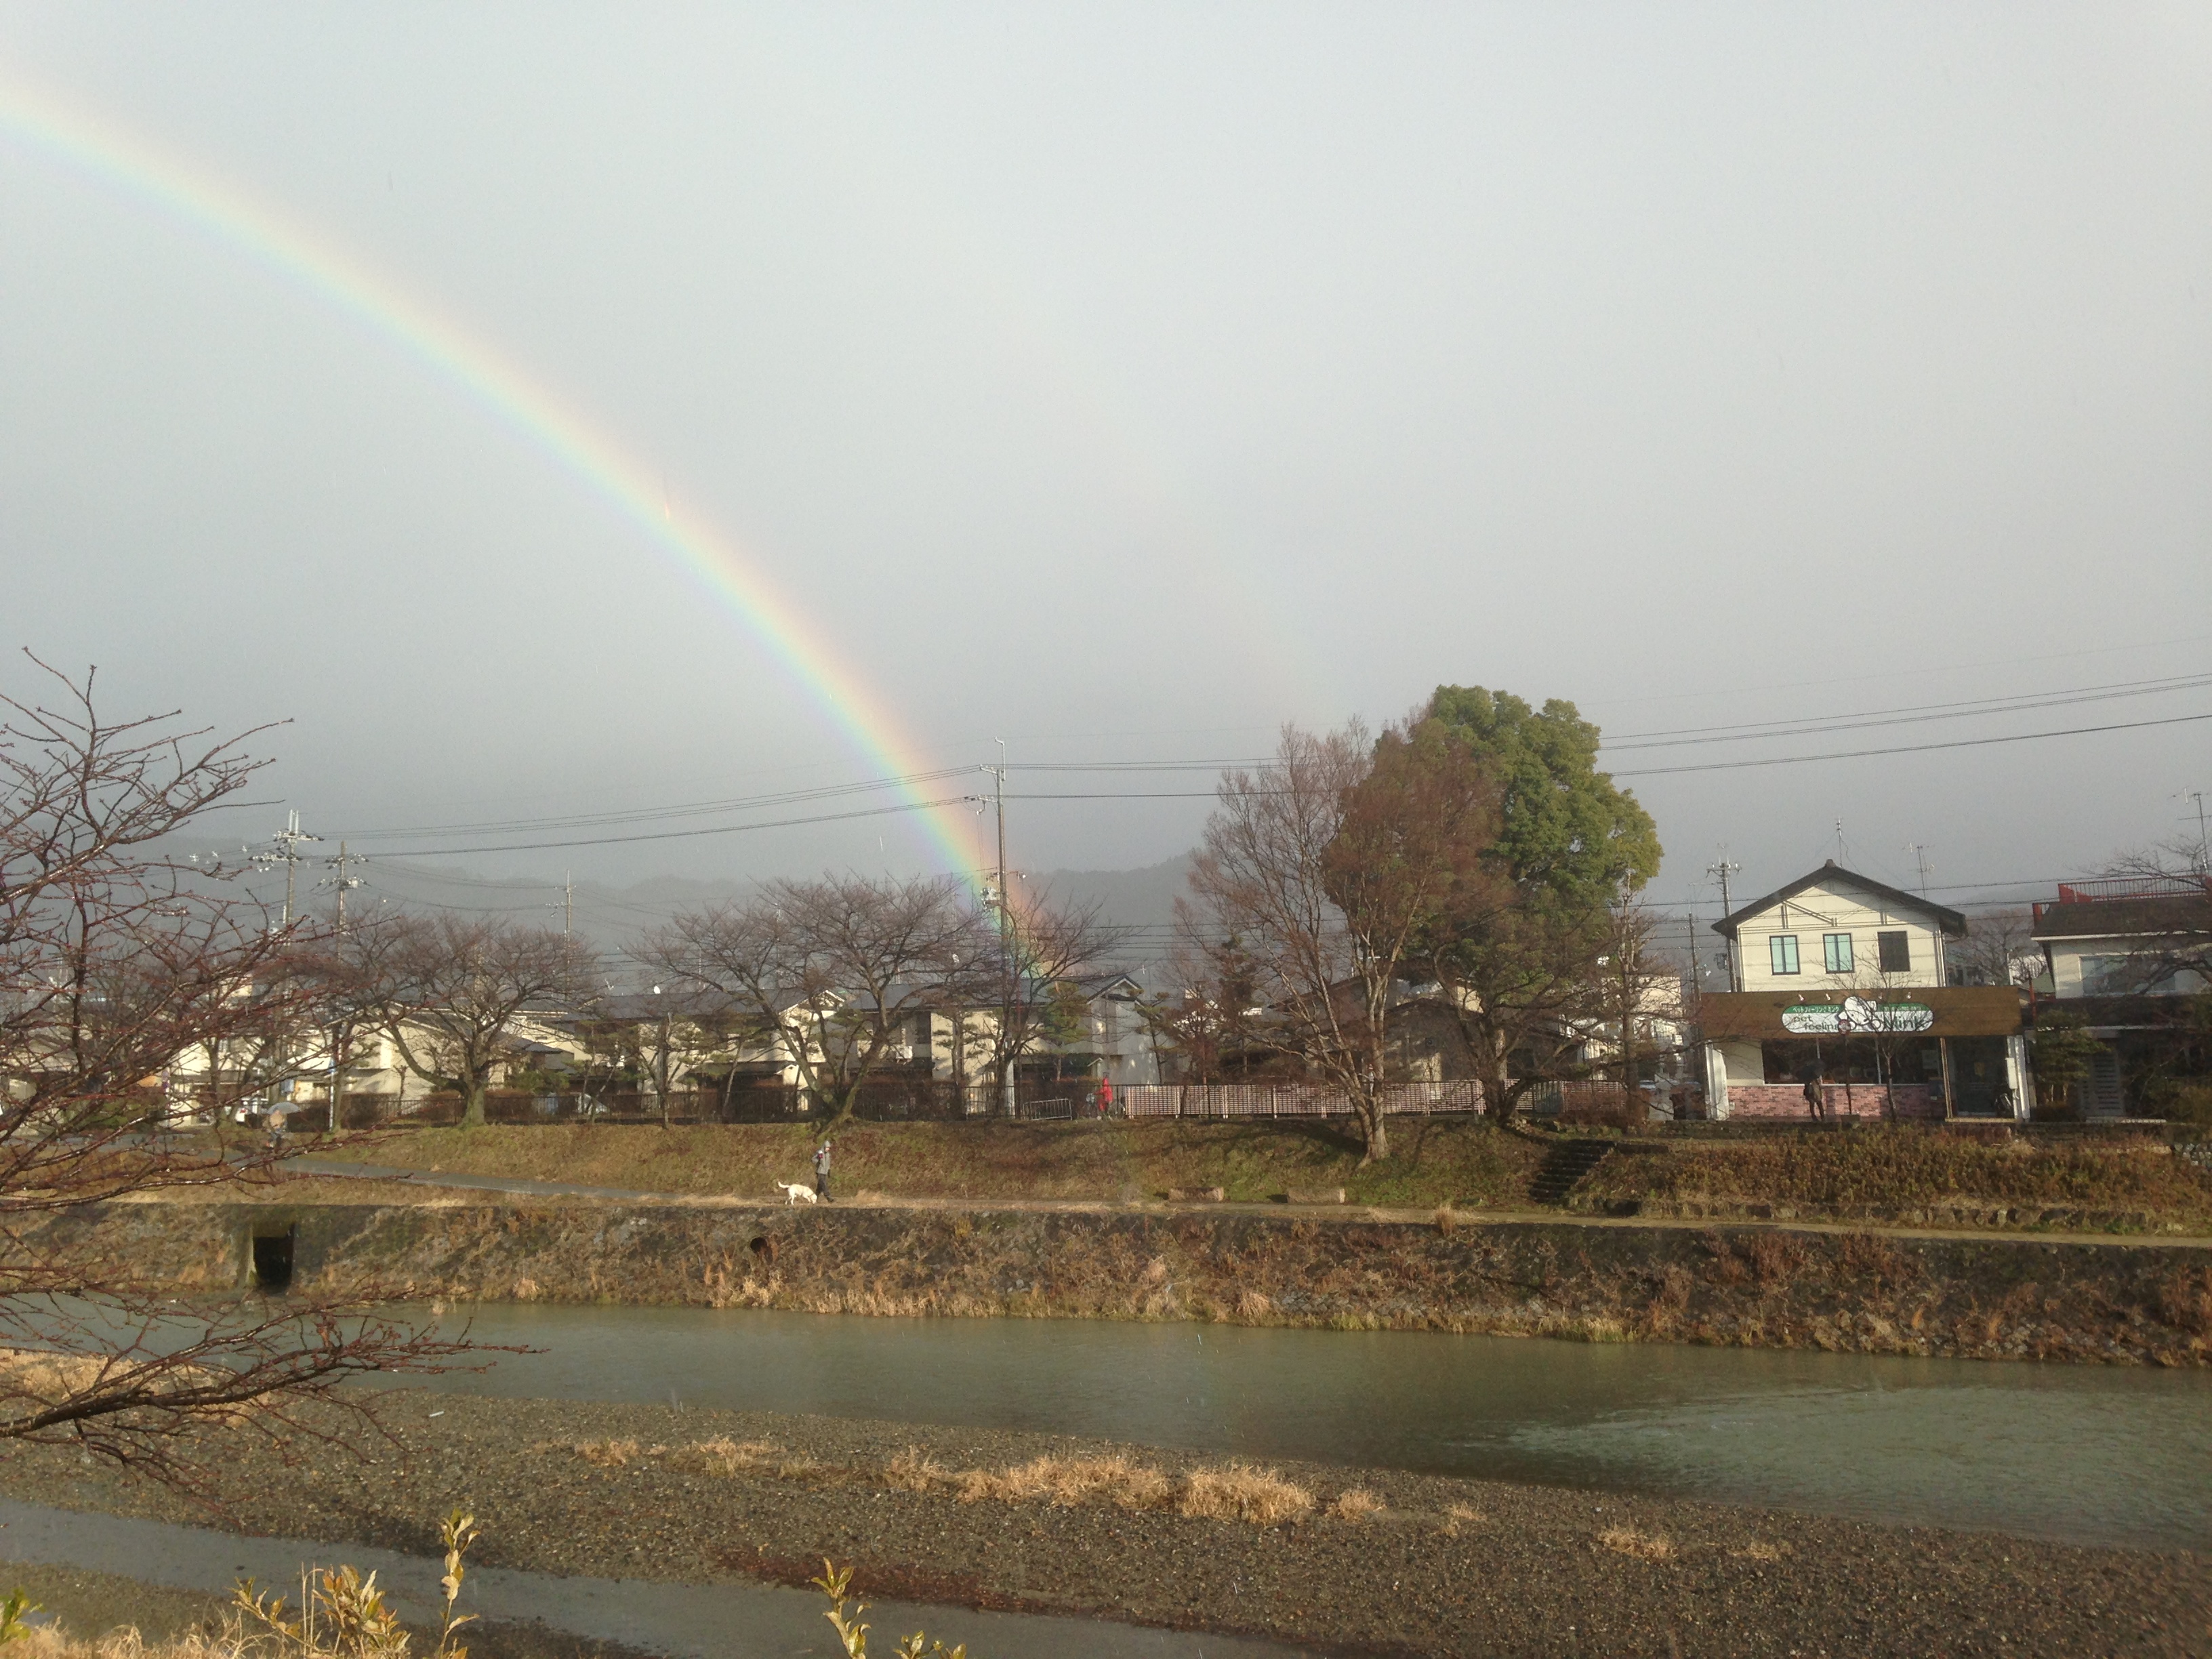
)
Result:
{"points": [[1938, 1012]]}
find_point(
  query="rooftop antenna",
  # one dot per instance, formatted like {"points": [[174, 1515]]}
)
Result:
{"points": [[1839, 841]]}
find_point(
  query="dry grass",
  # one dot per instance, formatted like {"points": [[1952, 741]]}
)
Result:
{"points": [[1760, 1550], [1445, 1162], [1243, 1491], [1906, 1166], [1460, 1515], [607, 1454], [51, 1642], [1644, 1545], [1356, 1503], [914, 1470], [1232, 1492], [1113, 1480], [723, 1455]]}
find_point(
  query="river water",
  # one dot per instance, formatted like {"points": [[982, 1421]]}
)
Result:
{"points": [[2086, 1454]]}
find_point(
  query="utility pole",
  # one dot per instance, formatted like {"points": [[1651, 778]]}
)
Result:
{"points": [[341, 881], [341, 1029], [568, 902], [1919, 852], [1007, 965], [2204, 852], [286, 851], [1723, 869]]}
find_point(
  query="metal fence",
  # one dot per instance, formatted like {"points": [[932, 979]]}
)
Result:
{"points": [[1250, 1100]]}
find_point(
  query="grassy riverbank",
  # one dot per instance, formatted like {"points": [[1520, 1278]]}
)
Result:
{"points": [[1910, 1174], [1432, 1161], [1916, 1176], [1413, 1564]]}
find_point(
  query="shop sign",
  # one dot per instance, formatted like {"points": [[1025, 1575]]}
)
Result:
{"points": [[1855, 1014]]}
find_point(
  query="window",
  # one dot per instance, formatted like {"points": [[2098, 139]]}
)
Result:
{"points": [[1896, 951], [1836, 953], [1782, 951]]}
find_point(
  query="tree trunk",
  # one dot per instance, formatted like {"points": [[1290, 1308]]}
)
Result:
{"points": [[1368, 1114], [473, 1102], [1498, 1102]]}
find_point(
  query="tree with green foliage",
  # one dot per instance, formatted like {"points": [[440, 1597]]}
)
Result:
{"points": [[2062, 1049], [1517, 953]]}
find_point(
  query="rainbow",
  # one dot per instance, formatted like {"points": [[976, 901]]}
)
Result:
{"points": [[98, 149]]}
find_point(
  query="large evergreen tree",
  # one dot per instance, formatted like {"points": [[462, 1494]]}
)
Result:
{"points": [[1517, 956]]}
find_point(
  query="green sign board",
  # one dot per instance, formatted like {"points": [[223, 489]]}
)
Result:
{"points": [[1855, 1014]]}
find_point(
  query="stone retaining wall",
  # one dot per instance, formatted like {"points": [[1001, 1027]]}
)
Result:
{"points": [[1757, 1286]]}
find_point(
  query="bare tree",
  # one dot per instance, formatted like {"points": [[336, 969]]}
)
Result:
{"points": [[117, 955], [841, 974], [661, 1038], [1324, 867], [1999, 949], [1640, 991], [449, 992], [2172, 918], [1025, 976]]}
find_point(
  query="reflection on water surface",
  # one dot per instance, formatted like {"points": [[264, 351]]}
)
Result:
{"points": [[2088, 1453]]}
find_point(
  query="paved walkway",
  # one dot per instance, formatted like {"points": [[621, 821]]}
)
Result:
{"points": [[521, 1187]]}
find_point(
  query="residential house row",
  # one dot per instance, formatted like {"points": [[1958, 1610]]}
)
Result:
{"points": [[1843, 999]]}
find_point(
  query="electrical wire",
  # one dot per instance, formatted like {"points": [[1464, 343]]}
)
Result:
{"points": [[1911, 716], [693, 809], [1914, 748]]}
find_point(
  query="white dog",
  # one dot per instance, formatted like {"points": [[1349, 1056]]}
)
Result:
{"points": [[796, 1193]]}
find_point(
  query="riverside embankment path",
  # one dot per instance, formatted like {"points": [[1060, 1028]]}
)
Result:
{"points": [[520, 1187]]}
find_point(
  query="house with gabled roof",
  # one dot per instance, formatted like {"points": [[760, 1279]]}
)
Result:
{"points": [[2128, 955], [1838, 1007]]}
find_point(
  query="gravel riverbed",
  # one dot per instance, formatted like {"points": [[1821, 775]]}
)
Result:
{"points": [[1443, 1567]]}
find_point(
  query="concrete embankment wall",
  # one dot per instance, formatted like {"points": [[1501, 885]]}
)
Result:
{"points": [[1760, 1286]]}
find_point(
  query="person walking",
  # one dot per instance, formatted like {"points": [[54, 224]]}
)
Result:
{"points": [[1105, 1096], [822, 1172]]}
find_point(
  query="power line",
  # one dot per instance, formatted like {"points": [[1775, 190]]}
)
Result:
{"points": [[1915, 748], [631, 815], [1752, 731], [711, 829]]}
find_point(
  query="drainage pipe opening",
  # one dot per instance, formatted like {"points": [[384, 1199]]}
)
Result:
{"points": [[272, 1258]]}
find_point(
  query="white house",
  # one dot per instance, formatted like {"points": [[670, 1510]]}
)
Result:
{"points": [[1838, 1007], [1837, 928]]}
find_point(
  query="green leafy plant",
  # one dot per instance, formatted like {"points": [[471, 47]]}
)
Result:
{"points": [[14, 1612], [344, 1615], [2064, 1050], [457, 1532], [836, 1582]]}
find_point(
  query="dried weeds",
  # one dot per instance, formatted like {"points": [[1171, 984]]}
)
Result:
{"points": [[1243, 1491], [1644, 1545], [1356, 1503]]}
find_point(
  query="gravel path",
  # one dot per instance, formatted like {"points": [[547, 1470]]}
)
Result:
{"points": [[1446, 1567]]}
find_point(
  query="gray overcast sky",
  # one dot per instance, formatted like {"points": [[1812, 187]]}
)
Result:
{"points": [[1123, 381]]}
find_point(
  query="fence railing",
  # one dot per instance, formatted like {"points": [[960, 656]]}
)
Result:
{"points": [[1243, 1100]]}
